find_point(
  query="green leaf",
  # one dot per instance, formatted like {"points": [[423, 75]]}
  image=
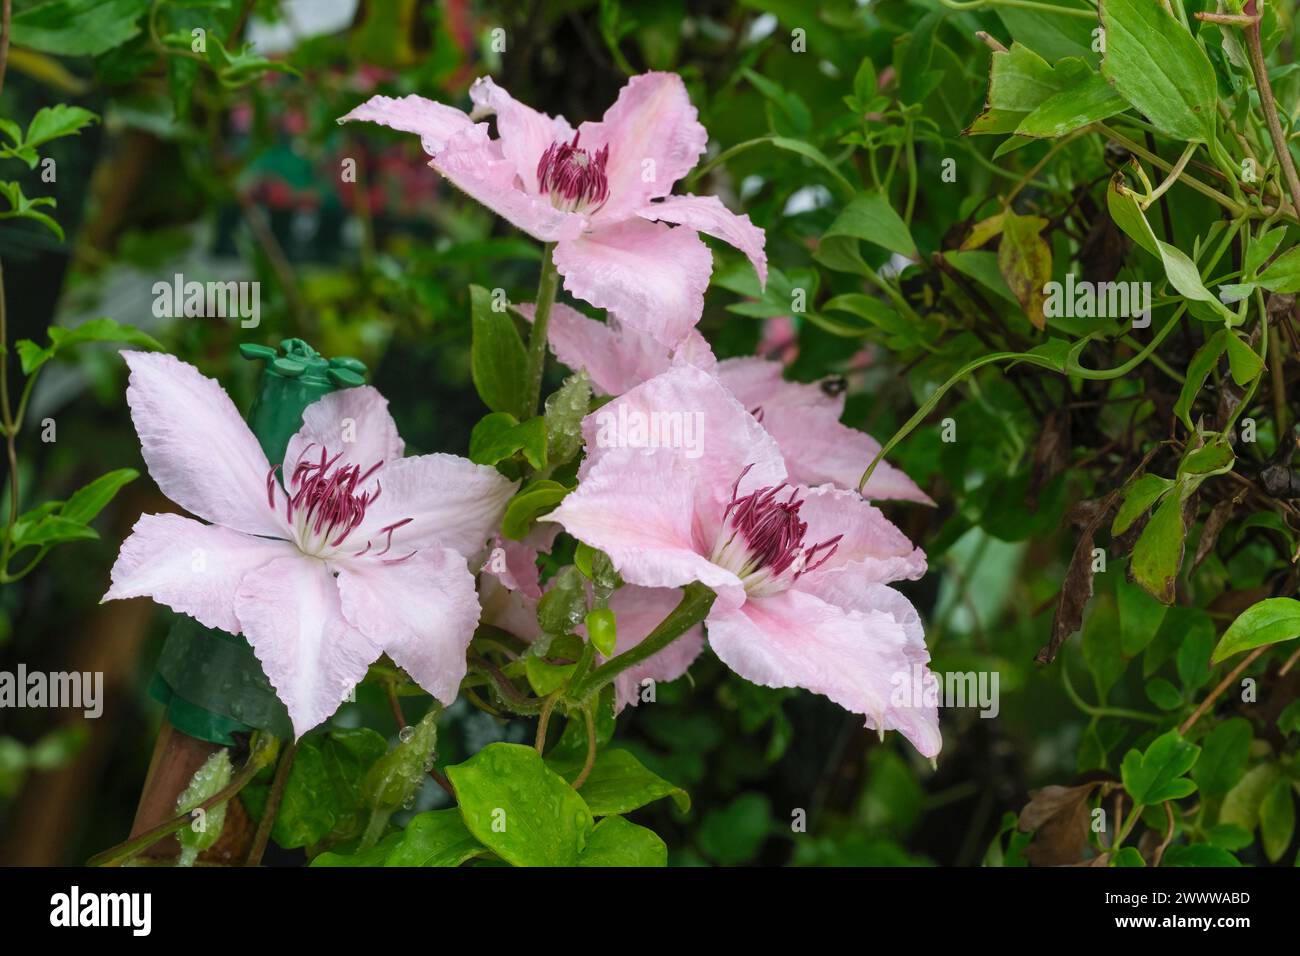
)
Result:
{"points": [[602, 630], [616, 842], [1283, 273], [49, 530], [1223, 757], [1138, 499], [1212, 459], [1158, 553], [808, 151], [870, 216], [87, 502], [1128, 215], [1157, 66], [434, 838], [499, 435], [1128, 856], [1277, 819], [1025, 261], [1243, 803], [1019, 82], [322, 797], [34, 356], [1243, 361], [1158, 775], [1139, 617], [1198, 370], [1085, 98], [77, 27], [20, 207], [519, 808], [1163, 694], [1051, 34], [735, 833], [243, 65], [1261, 248], [1193, 660], [1198, 854], [619, 783], [54, 122], [525, 507], [1269, 622], [498, 362]]}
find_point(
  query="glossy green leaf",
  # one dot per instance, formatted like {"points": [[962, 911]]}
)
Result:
{"points": [[619, 783], [1271, 621], [1157, 66], [616, 842], [498, 362], [1158, 774], [519, 808], [870, 217]]}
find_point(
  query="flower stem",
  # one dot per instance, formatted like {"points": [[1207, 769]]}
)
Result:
{"points": [[590, 762], [693, 608], [1255, 46], [546, 288], [272, 808]]}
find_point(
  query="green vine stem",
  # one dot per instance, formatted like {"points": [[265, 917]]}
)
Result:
{"points": [[272, 808], [546, 289], [697, 600]]}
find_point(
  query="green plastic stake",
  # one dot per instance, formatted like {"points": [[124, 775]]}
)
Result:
{"points": [[211, 683]]}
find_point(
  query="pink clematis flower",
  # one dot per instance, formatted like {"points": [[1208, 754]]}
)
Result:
{"points": [[801, 574], [357, 551], [803, 418], [600, 193]]}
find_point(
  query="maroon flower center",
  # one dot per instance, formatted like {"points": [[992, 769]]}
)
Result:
{"points": [[325, 500], [763, 539], [573, 177]]}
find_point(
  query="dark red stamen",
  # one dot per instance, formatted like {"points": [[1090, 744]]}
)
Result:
{"points": [[774, 532], [574, 178]]}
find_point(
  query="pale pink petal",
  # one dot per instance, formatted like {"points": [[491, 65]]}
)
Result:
{"points": [[198, 449], [514, 563], [685, 420], [511, 611], [291, 614], [759, 383], [451, 503], [695, 350], [510, 582], [353, 422], [191, 567], [477, 166], [640, 510], [804, 420], [707, 214], [654, 138], [864, 661], [434, 123], [871, 549], [637, 612], [524, 132], [616, 356], [650, 275], [422, 611], [819, 449]]}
